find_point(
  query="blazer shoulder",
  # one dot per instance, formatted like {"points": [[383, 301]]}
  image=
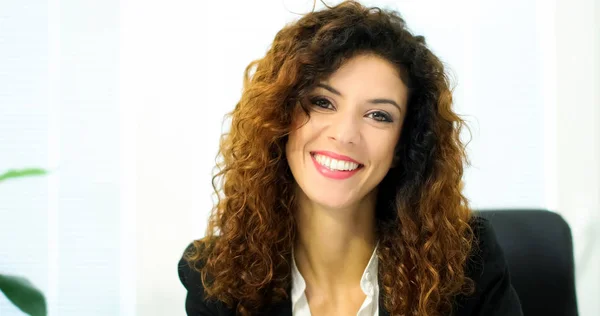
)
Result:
{"points": [[486, 254], [196, 303], [485, 242], [487, 267], [189, 275]]}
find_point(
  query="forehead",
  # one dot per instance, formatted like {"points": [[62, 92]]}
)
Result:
{"points": [[370, 74]]}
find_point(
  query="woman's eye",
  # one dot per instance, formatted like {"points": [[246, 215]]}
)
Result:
{"points": [[321, 103], [380, 116]]}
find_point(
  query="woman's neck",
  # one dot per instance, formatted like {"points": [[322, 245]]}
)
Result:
{"points": [[333, 246]]}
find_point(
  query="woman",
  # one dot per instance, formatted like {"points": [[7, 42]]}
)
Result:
{"points": [[341, 184]]}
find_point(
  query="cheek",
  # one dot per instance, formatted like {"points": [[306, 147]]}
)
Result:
{"points": [[382, 149], [290, 145], [303, 131], [294, 133], [387, 156], [295, 144]]}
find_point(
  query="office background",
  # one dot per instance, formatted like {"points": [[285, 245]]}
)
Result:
{"points": [[124, 101]]}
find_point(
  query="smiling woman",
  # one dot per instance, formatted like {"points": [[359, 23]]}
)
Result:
{"points": [[346, 125], [342, 178]]}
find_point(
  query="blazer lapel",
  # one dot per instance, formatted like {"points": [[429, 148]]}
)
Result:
{"points": [[281, 309], [382, 310]]}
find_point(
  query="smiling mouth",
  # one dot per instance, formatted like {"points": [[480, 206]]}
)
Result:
{"points": [[336, 164]]}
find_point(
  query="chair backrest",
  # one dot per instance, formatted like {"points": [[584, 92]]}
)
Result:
{"points": [[538, 247]]}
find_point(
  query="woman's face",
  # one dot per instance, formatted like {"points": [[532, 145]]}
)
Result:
{"points": [[346, 147]]}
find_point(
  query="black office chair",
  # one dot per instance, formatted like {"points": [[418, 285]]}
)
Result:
{"points": [[538, 247]]}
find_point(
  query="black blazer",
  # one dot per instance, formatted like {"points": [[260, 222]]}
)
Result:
{"points": [[494, 294]]}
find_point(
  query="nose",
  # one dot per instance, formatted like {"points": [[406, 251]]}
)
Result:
{"points": [[345, 128]]}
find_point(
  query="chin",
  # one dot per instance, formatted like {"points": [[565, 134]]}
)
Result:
{"points": [[332, 201]]}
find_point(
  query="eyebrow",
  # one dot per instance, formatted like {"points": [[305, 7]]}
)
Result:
{"points": [[373, 101]]}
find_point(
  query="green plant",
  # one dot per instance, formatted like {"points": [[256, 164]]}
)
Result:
{"points": [[17, 289]]}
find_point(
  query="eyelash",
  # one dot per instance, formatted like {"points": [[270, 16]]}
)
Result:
{"points": [[386, 117]]}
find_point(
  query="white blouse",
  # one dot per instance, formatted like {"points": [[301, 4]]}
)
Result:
{"points": [[368, 283]]}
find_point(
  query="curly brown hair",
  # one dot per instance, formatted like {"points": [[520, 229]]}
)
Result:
{"points": [[423, 219]]}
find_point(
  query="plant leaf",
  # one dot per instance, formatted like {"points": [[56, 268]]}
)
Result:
{"points": [[13, 173], [23, 294]]}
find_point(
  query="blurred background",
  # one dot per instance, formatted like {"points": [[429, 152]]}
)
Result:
{"points": [[123, 101]]}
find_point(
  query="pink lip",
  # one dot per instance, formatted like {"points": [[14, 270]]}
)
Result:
{"points": [[334, 174], [335, 156]]}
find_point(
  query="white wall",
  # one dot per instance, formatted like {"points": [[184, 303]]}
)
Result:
{"points": [[125, 100], [59, 109], [578, 141]]}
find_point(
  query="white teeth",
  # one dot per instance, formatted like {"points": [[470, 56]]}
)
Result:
{"points": [[335, 164], [346, 165]]}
